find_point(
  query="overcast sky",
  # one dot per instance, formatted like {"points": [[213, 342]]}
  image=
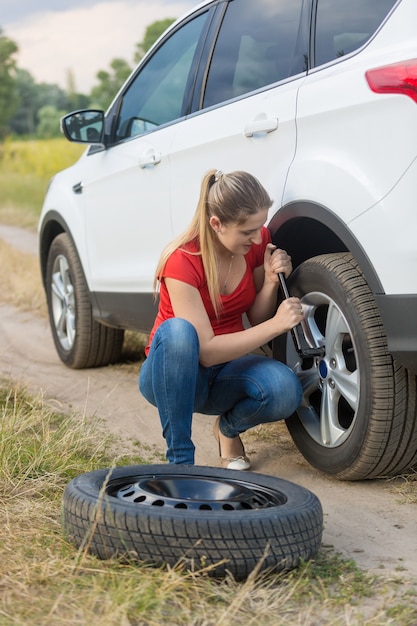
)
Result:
{"points": [[83, 36]]}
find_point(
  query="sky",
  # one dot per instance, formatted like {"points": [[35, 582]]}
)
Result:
{"points": [[81, 36]]}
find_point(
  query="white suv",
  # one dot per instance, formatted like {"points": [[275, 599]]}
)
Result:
{"points": [[318, 99]]}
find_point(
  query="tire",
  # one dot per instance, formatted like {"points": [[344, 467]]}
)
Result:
{"points": [[358, 416], [80, 341], [201, 517]]}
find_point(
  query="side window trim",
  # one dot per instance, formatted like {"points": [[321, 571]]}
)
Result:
{"points": [[315, 64], [199, 59], [114, 111], [207, 55], [303, 32]]}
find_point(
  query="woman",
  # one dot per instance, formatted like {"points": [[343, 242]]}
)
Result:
{"points": [[199, 356]]}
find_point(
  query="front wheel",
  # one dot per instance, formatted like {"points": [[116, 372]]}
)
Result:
{"points": [[358, 416], [80, 341]]}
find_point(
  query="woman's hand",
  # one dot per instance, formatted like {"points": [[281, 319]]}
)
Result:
{"points": [[267, 281], [276, 261], [289, 314]]}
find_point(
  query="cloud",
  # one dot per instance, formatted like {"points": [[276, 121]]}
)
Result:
{"points": [[85, 40], [12, 11]]}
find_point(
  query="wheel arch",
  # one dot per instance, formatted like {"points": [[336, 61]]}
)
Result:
{"points": [[307, 229], [52, 226]]}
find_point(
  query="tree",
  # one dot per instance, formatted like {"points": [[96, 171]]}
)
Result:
{"points": [[51, 94], [152, 33], [75, 100], [33, 97], [48, 126], [23, 122], [8, 95], [109, 83]]}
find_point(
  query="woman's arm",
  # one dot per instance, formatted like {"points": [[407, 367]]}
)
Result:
{"points": [[187, 304]]}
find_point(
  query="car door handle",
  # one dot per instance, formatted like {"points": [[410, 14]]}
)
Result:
{"points": [[261, 127], [149, 158]]}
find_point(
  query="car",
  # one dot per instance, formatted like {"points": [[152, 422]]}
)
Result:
{"points": [[318, 99]]}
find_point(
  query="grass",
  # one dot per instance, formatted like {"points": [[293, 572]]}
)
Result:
{"points": [[407, 489], [20, 280], [45, 581], [26, 168]]}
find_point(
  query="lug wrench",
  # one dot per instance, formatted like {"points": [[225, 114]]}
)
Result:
{"points": [[300, 342]]}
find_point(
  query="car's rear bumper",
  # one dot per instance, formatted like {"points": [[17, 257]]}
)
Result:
{"points": [[399, 314]]}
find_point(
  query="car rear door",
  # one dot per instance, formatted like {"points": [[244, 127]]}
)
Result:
{"points": [[245, 110]]}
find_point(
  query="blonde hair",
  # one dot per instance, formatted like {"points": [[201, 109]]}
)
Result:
{"points": [[230, 197]]}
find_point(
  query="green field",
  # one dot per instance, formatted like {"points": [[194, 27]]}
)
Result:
{"points": [[26, 168]]}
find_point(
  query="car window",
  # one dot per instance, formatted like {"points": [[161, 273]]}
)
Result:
{"points": [[342, 27], [157, 93], [257, 45]]}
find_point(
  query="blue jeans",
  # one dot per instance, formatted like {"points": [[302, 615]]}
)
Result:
{"points": [[245, 392]]}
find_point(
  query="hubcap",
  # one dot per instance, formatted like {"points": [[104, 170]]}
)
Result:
{"points": [[63, 302], [323, 369], [331, 384]]}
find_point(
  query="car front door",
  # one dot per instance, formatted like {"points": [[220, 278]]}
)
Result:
{"points": [[126, 187]]}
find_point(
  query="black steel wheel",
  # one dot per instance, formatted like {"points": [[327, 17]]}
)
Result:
{"points": [[224, 520], [358, 417], [80, 341]]}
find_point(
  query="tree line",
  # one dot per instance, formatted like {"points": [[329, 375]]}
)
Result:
{"points": [[28, 108]]}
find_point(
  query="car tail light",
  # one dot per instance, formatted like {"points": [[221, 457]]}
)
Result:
{"points": [[397, 78]]}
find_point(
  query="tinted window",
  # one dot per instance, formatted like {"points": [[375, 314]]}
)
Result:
{"points": [[258, 45], [345, 26], [157, 94]]}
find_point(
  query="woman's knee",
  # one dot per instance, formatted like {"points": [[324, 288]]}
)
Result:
{"points": [[174, 353], [145, 382], [283, 389], [295, 393], [178, 336]]}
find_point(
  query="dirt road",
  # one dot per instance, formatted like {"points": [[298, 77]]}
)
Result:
{"points": [[363, 521]]}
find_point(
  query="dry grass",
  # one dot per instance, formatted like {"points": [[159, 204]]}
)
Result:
{"points": [[407, 488], [20, 280]]}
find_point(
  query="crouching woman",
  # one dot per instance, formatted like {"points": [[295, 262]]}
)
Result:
{"points": [[199, 356]]}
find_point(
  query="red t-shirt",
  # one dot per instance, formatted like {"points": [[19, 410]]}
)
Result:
{"points": [[185, 265]]}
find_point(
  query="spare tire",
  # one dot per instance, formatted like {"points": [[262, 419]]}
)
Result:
{"points": [[201, 517]]}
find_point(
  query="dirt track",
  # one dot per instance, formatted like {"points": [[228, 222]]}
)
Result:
{"points": [[364, 521]]}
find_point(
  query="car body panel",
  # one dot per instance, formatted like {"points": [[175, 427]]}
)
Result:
{"points": [[128, 228]]}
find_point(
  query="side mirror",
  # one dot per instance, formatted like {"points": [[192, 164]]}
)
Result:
{"points": [[84, 126]]}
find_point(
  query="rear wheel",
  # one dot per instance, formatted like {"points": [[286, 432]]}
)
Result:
{"points": [[80, 341], [358, 416]]}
